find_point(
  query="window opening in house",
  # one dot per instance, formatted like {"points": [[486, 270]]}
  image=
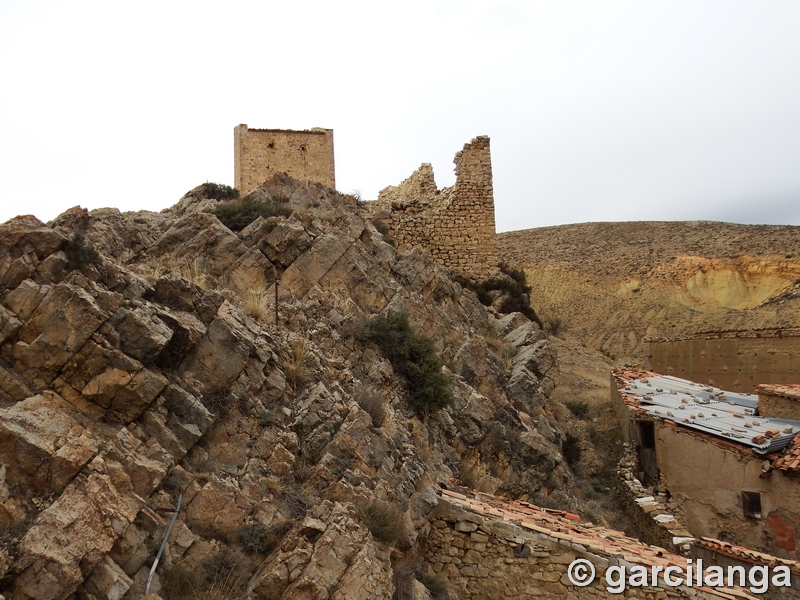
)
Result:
{"points": [[751, 504]]}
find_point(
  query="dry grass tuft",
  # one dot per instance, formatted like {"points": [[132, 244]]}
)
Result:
{"points": [[255, 304], [295, 363], [191, 270]]}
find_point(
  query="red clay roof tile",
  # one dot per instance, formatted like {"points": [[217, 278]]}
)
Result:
{"points": [[565, 526]]}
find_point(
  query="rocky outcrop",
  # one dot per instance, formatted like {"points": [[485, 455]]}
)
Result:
{"points": [[158, 371]]}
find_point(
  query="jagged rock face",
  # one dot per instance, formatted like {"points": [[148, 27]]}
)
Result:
{"points": [[160, 372]]}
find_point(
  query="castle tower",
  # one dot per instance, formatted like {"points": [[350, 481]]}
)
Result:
{"points": [[258, 154]]}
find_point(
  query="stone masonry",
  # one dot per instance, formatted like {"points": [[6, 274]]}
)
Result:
{"points": [[261, 153], [455, 224], [490, 548]]}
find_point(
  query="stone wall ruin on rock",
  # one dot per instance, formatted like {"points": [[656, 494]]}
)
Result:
{"points": [[455, 224]]}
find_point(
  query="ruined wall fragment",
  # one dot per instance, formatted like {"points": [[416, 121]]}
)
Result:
{"points": [[455, 224]]}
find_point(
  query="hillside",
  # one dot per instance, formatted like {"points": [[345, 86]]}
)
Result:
{"points": [[141, 366], [610, 285]]}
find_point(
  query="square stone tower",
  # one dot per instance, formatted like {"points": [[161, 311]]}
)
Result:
{"points": [[258, 154]]}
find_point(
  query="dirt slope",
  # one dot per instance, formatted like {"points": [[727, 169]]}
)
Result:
{"points": [[612, 284]]}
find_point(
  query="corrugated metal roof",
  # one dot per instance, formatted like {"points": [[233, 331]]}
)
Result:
{"points": [[729, 415]]}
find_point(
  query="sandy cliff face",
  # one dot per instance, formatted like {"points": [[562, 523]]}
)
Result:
{"points": [[157, 370], [613, 284]]}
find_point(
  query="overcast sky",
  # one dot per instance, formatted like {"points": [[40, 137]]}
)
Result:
{"points": [[597, 110]]}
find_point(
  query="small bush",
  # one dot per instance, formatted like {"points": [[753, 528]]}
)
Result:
{"points": [[372, 402], [553, 326], [578, 408], [14, 529], [221, 565], [268, 417], [178, 582], [252, 537], [218, 191], [483, 295], [258, 538], [384, 522], [383, 229], [591, 517], [571, 449], [436, 583], [80, 253], [415, 359], [238, 214], [608, 354], [221, 578], [515, 292], [218, 404]]}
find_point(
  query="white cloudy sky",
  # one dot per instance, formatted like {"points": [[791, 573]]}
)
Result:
{"points": [[598, 110]]}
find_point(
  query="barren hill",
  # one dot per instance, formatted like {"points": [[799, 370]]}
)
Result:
{"points": [[610, 285]]}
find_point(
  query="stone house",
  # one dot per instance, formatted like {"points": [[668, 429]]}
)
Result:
{"points": [[726, 465]]}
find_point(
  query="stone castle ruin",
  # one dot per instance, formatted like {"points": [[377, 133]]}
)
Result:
{"points": [[258, 154], [455, 224]]}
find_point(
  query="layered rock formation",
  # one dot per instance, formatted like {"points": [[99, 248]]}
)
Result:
{"points": [[156, 370]]}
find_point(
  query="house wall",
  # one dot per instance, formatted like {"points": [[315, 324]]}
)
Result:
{"points": [[736, 361], [706, 478], [261, 153]]}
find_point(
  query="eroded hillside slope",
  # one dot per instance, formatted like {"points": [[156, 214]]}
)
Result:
{"points": [[610, 285], [155, 370]]}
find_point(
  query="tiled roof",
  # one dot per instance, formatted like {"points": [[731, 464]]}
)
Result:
{"points": [[791, 460], [566, 527], [788, 391], [746, 554]]}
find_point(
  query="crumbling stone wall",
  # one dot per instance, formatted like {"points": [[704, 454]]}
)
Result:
{"points": [[779, 401], [261, 153], [485, 557], [455, 224], [734, 360], [655, 524]]}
